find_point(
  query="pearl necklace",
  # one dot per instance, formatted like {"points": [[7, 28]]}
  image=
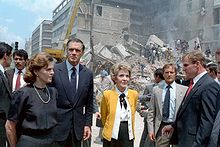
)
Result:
{"points": [[45, 102]]}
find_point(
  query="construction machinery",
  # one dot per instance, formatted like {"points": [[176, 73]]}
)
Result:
{"points": [[59, 52]]}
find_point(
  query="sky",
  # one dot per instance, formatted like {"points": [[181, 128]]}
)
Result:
{"points": [[19, 18]]}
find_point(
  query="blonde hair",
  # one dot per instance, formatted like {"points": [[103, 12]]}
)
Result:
{"points": [[195, 56], [117, 67]]}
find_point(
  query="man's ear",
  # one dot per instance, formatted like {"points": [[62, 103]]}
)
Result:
{"points": [[5, 56]]}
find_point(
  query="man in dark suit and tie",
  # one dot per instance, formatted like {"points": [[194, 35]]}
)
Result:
{"points": [[5, 92], [197, 113], [15, 75], [74, 83]]}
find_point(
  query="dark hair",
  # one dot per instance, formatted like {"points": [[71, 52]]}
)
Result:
{"points": [[212, 67], [159, 72], [37, 62], [5, 49], [76, 40], [21, 53]]}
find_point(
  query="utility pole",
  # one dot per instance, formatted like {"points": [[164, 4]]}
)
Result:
{"points": [[16, 45], [91, 37]]}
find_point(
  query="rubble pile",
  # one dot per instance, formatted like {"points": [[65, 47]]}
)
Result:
{"points": [[142, 70]]}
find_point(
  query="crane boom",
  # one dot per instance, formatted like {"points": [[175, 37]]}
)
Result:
{"points": [[58, 53]]}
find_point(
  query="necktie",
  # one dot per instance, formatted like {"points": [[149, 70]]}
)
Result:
{"points": [[166, 105], [122, 101], [190, 88], [73, 80], [18, 80]]}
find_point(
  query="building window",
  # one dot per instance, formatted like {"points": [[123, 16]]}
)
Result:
{"points": [[189, 6], [99, 10], [216, 15], [216, 33], [202, 3]]}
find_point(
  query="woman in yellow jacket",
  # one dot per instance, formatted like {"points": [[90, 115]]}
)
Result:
{"points": [[118, 108]]}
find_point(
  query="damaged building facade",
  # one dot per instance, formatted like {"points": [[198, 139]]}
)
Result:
{"points": [[128, 24], [184, 19], [116, 21]]}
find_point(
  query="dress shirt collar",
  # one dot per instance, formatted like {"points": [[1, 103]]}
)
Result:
{"points": [[119, 92], [2, 69], [172, 85], [23, 70], [70, 66], [196, 79]]}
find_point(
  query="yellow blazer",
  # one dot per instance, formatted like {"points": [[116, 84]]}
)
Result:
{"points": [[108, 110]]}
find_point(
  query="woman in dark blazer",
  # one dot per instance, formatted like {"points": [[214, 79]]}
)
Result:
{"points": [[33, 108]]}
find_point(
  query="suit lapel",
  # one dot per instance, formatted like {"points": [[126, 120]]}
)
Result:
{"points": [[159, 92], [129, 99], [63, 74], [194, 89], [10, 74], [179, 97], [82, 77], [5, 82], [114, 99]]}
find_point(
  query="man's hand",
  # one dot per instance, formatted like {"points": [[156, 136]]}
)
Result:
{"points": [[167, 130], [151, 136], [98, 115], [87, 133], [143, 113]]}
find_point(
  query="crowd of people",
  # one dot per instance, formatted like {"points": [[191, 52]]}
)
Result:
{"points": [[43, 104]]}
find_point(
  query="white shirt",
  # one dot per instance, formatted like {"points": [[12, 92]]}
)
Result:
{"points": [[23, 83], [2, 69], [196, 79], [122, 115], [172, 101], [70, 71], [216, 80]]}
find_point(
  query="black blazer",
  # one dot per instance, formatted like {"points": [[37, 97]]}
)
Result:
{"points": [[196, 115], [74, 109], [10, 74], [5, 96]]}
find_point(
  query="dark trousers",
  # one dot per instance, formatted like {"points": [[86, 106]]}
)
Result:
{"points": [[3, 137], [145, 140], [123, 138], [71, 141], [28, 141]]}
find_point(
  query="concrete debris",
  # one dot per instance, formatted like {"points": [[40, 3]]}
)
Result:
{"points": [[155, 40]]}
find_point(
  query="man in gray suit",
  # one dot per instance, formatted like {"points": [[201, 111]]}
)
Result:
{"points": [[5, 92], [163, 107]]}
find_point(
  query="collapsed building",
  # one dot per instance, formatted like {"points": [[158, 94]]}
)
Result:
{"points": [[120, 30]]}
